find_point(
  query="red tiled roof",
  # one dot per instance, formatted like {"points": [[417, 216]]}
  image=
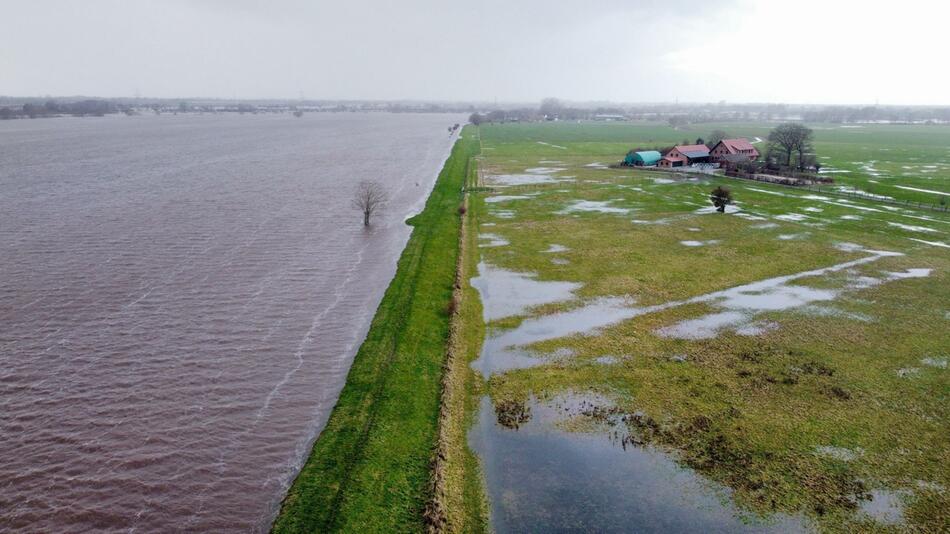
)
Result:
{"points": [[738, 144], [692, 148]]}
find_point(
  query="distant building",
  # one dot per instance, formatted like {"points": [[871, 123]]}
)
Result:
{"points": [[683, 155], [731, 150], [646, 158]]}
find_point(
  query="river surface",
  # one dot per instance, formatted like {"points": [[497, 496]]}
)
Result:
{"points": [[180, 301]]}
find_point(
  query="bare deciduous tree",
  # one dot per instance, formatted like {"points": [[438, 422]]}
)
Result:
{"points": [[789, 138], [369, 197]]}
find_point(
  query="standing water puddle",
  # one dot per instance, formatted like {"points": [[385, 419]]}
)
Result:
{"points": [[541, 478], [508, 294], [741, 303], [505, 293]]}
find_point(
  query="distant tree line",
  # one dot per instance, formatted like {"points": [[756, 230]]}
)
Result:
{"points": [[682, 115], [52, 108], [22, 108], [846, 114]]}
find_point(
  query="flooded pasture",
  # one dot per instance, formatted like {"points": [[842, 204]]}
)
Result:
{"points": [[740, 304], [549, 469], [521, 179], [507, 293], [710, 326], [594, 206], [543, 478]]}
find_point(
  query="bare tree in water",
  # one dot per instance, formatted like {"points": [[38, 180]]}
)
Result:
{"points": [[369, 197]]}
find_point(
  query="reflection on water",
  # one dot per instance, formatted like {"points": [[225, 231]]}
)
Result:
{"points": [[545, 479], [507, 293], [884, 506], [501, 352], [741, 303], [541, 478]]}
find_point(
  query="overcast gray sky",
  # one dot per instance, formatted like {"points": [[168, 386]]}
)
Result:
{"points": [[811, 51]]}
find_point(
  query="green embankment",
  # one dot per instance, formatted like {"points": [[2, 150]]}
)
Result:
{"points": [[369, 470], [459, 503]]}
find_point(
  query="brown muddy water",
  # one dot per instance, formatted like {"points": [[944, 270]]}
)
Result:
{"points": [[180, 301]]}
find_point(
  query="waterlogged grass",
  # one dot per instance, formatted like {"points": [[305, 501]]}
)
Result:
{"points": [[876, 158], [832, 403], [369, 470]]}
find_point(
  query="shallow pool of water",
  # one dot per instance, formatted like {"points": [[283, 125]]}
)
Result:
{"points": [[541, 478], [506, 293]]}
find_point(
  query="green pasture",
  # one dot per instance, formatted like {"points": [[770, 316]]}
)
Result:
{"points": [[864, 373], [877, 158]]}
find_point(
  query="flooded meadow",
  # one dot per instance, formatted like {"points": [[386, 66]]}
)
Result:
{"points": [[682, 369]]}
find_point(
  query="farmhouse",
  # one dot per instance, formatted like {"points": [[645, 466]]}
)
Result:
{"points": [[646, 158], [732, 150], [681, 155]]}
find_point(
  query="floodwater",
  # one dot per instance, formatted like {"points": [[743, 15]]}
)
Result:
{"points": [[541, 478], [505, 294], [595, 206], [180, 301]]}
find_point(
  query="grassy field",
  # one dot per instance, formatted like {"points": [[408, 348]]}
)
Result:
{"points": [[815, 408], [874, 158], [369, 470]]}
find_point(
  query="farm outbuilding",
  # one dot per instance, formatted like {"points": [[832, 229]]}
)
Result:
{"points": [[688, 154], [669, 161], [646, 158]]}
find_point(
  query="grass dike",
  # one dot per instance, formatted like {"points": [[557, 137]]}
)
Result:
{"points": [[458, 500], [370, 469]]}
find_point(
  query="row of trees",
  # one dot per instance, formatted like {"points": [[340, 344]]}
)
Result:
{"points": [[549, 109], [845, 114], [51, 108]]}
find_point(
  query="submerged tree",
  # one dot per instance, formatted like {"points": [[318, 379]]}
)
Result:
{"points": [[369, 197], [721, 197]]}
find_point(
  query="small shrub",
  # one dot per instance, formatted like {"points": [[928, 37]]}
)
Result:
{"points": [[721, 197]]}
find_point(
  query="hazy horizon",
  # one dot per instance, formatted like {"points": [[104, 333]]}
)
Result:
{"points": [[685, 51]]}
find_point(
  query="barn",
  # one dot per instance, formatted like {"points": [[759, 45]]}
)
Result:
{"points": [[681, 155], [730, 150], [646, 158], [669, 161]]}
